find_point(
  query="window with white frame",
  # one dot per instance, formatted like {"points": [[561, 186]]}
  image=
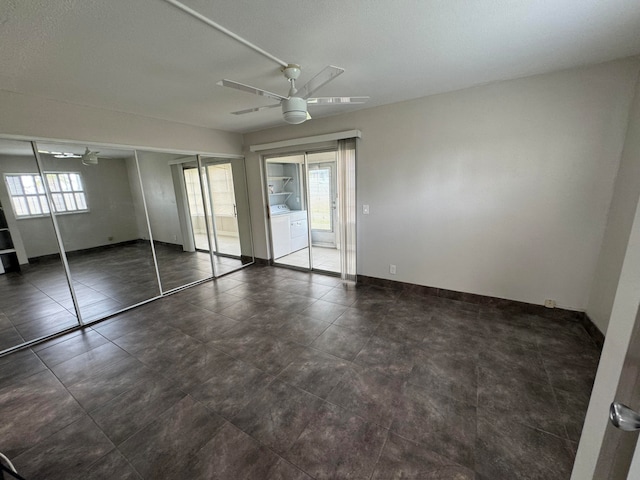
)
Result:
{"points": [[28, 196]]}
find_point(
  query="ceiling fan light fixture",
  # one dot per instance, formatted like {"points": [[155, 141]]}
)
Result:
{"points": [[294, 110], [291, 71]]}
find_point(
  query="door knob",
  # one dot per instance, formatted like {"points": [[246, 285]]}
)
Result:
{"points": [[624, 418]]}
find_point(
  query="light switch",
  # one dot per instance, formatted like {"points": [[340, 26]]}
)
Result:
{"points": [[365, 209]]}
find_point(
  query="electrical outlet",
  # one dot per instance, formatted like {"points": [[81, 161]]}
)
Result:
{"points": [[365, 209], [392, 269], [550, 303]]}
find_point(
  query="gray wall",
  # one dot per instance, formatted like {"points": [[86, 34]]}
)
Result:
{"points": [[136, 195], [500, 190], [160, 196], [111, 208], [40, 117], [619, 222]]}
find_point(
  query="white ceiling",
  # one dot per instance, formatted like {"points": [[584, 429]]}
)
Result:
{"points": [[148, 58]]}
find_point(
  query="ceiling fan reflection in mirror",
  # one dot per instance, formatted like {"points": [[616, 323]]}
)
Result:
{"points": [[89, 157], [294, 105]]}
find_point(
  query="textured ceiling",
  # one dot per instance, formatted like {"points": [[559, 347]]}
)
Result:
{"points": [[148, 58]]}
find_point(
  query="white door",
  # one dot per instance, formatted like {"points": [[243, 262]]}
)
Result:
{"points": [[606, 452]]}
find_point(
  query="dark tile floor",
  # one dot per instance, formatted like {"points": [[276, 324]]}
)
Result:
{"points": [[275, 374], [36, 302]]}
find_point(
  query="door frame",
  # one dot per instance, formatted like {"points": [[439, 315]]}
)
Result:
{"points": [[191, 227], [619, 347], [304, 193], [321, 235]]}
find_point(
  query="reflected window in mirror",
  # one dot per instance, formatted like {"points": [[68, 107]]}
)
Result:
{"points": [[28, 196]]}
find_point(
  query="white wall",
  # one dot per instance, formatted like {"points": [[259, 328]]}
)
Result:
{"points": [[619, 221], [40, 117], [499, 190]]}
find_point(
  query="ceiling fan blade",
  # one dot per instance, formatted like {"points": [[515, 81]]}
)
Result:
{"points": [[257, 109], [337, 100], [324, 77], [249, 89]]}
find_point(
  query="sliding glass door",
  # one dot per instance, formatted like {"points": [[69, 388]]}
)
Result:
{"points": [[286, 189], [196, 202], [323, 213], [227, 206], [307, 222], [219, 183]]}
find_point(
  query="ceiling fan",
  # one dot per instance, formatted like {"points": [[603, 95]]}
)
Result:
{"points": [[89, 157], [294, 105]]}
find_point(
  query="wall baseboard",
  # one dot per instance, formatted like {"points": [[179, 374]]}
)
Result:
{"points": [[499, 303], [82, 251], [596, 335]]}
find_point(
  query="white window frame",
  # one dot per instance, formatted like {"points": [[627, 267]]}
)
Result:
{"points": [[69, 196]]}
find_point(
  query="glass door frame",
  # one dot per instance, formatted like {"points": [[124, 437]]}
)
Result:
{"points": [[305, 193], [208, 195], [204, 203], [333, 195]]}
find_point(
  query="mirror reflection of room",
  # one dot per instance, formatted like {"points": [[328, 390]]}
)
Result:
{"points": [[98, 211], [107, 204], [35, 300], [227, 202], [177, 217]]}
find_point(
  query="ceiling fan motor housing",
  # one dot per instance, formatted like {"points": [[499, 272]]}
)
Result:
{"points": [[294, 110]]}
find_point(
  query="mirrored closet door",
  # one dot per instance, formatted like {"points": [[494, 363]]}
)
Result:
{"points": [[87, 231], [177, 218], [35, 300], [102, 222]]}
